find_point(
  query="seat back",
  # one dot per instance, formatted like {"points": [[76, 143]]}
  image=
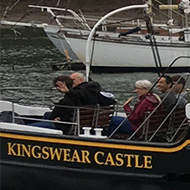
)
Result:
{"points": [[93, 116], [104, 115], [164, 124], [155, 123], [87, 116]]}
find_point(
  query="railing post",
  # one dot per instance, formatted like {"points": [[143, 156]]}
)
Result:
{"points": [[13, 111]]}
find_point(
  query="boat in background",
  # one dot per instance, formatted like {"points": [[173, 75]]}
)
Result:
{"points": [[131, 50]]}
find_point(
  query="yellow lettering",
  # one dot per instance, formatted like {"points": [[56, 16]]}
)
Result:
{"points": [[148, 162], [45, 153], [19, 149], [129, 156], [66, 155], [26, 150], [11, 150], [85, 156], [54, 153], [79, 156], [75, 156], [109, 159], [34, 152], [119, 159], [96, 155], [137, 160]]}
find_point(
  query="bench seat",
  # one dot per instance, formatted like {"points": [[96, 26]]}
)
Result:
{"points": [[92, 116]]}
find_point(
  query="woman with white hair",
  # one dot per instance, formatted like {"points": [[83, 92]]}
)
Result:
{"points": [[147, 102]]}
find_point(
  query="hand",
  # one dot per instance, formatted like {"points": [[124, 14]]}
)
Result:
{"points": [[57, 119], [128, 101], [61, 86]]}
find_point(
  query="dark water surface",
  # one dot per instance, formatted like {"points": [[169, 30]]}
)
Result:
{"points": [[26, 59]]}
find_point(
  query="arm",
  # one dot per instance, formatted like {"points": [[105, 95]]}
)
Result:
{"points": [[139, 110], [126, 106], [60, 109]]}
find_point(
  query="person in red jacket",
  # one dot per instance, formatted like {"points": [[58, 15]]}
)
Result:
{"points": [[147, 102]]}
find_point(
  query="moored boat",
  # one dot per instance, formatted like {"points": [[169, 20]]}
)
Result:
{"points": [[131, 52], [165, 41]]}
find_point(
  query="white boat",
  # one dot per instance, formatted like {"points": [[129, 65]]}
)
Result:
{"points": [[128, 53]]}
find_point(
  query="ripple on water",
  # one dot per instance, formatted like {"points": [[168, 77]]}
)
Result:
{"points": [[26, 62]]}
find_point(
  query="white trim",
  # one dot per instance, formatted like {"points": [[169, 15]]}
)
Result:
{"points": [[17, 127]]}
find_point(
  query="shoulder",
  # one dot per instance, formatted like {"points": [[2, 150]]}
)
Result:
{"points": [[92, 83], [153, 98]]}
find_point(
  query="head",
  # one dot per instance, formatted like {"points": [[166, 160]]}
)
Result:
{"points": [[179, 84], [165, 83], [63, 78], [77, 78], [142, 87]]}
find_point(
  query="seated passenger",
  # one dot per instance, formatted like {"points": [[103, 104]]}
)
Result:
{"points": [[62, 110], [77, 93], [89, 93], [147, 102], [164, 85], [178, 89], [86, 92]]}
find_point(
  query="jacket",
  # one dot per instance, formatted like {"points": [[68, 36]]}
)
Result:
{"points": [[86, 92], [81, 95], [145, 103]]}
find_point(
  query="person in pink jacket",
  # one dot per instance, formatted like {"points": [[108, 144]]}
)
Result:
{"points": [[147, 102]]}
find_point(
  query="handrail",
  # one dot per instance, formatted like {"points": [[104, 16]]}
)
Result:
{"points": [[96, 26], [49, 10], [41, 89]]}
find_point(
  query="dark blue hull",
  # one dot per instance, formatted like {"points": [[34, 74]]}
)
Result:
{"points": [[38, 178]]}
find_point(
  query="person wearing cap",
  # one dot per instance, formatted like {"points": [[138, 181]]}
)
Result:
{"points": [[147, 102]]}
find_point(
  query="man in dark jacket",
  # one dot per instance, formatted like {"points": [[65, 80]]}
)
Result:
{"points": [[164, 85], [89, 93], [63, 110], [77, 93], [86, 92]]}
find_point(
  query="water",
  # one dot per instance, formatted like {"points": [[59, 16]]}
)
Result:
{"points": [[26, 60]]}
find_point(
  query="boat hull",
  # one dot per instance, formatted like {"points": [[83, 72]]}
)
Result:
{"points": [[59, 41], [118, 55], [67, 162], [38, 178], [111, 54]]}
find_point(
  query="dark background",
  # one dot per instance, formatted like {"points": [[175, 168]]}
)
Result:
{"points": [[11, 10]]}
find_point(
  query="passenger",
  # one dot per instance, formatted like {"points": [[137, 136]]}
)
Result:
{"points": [[147, 102], [77, 93], [178, 89], [89, 93], [61, 111], [164, 85], [86, 92]]}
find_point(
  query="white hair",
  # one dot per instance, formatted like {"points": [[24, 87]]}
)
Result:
{"points": [[80, 75], [144, 84]]}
